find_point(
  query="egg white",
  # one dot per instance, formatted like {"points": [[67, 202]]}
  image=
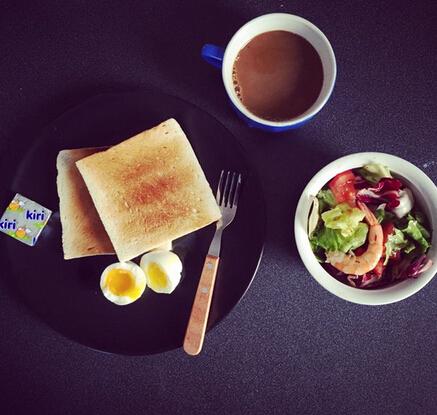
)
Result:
{"points": [[138, 276], [169, 264]]}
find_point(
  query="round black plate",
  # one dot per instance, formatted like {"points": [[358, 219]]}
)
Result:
{"points": [[66, 294]]}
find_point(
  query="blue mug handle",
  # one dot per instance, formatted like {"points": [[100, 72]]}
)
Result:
{"points": [[213, 55]]}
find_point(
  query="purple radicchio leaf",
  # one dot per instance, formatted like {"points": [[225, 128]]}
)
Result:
{"points": [[385, 191]]}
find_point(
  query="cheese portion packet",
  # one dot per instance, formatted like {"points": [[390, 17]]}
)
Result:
{"points": [[24, 219]]}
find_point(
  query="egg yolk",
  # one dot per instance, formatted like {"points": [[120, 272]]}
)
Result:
{"points": [[121, 282], [157, 277]]}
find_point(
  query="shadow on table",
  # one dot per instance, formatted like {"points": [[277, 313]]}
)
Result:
{"points": [[29, 126], [286, 163], [178, 56]]}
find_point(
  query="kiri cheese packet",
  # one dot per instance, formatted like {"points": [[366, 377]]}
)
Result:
{"points": [[24, 220]]}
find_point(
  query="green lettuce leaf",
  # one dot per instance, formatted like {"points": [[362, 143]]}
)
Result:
{"points": [[317, 250], [382, 215], [344, 218], [374, 172], [326, 200], [410, 247], [395, 242], [419, 217], [332, 239], [417, 232]]}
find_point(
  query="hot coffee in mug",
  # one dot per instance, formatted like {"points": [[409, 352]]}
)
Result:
{"points": [[278, 70], [278, 75]]}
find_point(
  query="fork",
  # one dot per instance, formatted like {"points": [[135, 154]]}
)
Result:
{"points": [[228, 191]]}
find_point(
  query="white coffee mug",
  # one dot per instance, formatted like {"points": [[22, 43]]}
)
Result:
{"points": [[224, 59]]}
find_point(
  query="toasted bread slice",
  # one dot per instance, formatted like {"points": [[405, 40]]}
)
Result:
{"points": [[149, 189], [83, 233]]}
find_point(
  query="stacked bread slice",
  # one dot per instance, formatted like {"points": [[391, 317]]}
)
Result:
{"points": [[83, 233], [134, 196]]}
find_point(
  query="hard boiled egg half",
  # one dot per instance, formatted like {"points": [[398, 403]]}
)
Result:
{"points": [[163, 270], [123, 282]]}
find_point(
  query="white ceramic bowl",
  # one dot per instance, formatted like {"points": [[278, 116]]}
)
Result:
{"points": [[425, 193]]}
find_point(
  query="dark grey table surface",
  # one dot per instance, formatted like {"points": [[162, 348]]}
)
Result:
{"points": [[289, 347]]}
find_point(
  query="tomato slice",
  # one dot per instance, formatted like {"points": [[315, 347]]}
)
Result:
{"points": [[343, 187]]}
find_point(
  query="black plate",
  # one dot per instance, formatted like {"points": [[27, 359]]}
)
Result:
{"points": [[66, 294]]}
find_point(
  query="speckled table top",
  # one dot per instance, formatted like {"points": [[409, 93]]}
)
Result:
{"points": [[289, 347]]}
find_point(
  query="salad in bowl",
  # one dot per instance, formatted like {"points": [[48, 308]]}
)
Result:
{"points": [[364, 228], [368, 230]]}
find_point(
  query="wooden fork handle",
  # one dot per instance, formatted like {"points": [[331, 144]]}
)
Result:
{"points": [[196, 328]]}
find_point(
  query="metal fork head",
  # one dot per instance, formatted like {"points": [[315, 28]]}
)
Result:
{"points": [[228, 191]]}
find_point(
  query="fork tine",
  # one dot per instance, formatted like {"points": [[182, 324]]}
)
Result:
{"points": [[226, 190], [219, 187], [232, 190], [237, 191]]}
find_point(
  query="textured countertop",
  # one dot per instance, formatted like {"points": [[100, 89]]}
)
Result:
{"points": [[289, 347]]}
